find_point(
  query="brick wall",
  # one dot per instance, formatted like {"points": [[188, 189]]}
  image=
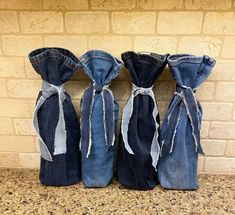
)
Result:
{"points": [[179, 26]]}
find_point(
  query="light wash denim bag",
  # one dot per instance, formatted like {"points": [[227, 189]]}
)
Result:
{"points": [[55, 119], [99, 115], [139, 148], [180, 131]]}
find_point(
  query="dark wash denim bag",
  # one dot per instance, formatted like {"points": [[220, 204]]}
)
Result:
{"points": [[99, 115], [55, 119], [139, 149], [180, 132]]}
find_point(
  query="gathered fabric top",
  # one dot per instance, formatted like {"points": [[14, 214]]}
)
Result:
{"points": [[144, 68], [189, 70], [55, 65]]}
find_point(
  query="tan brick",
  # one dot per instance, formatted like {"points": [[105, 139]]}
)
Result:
{"points": [[200, 164], [24, 126], [9, 159], [17, 144], [204, 129], [41, 22], [133, 22], [166, 75], [115, 44], [229, 47], [32, 104], [87, 22], [3, 88], [124, 74], [161, 45], [80, 75], [14, 108], [76, 88], [222, 130], [208, 4], [205, 91], [162, 106], [230, 150], [121, 89], [200, 45], [160, 4], [12, 67], [225, 91], [179, 22], [30, 72], [219, 23], [223, 71], [217, 111], [220, 164], [20, 88], [21, 4], [121, 106], [163, 90], [76, 44], [77, 106], [20, 45], [29, 160], [65, 5], [37, 144], [112, 4], [8, 22], [6, 126], [213, 147]]}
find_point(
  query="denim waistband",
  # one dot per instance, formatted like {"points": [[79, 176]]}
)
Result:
{"points": [[177, 59]]}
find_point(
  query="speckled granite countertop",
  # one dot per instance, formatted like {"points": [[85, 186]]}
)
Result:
{"points": [[21, 193]]}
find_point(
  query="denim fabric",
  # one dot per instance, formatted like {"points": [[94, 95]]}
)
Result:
{"points": [[99, 115], [139, 148], [180, 132], [56, 66]]}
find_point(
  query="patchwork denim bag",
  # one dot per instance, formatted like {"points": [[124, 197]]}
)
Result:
{"points": [[99, 115], [55, 119], [180, 132], [139, 148]]}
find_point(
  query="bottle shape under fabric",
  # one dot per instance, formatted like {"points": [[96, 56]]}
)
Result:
{"points": [[99, 115], [180, 132], [139, 149], [55, 119]]}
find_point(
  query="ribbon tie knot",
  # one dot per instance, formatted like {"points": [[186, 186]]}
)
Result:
{"points": [[108, 115], [127, 113], [187, 98], [60, 132]]}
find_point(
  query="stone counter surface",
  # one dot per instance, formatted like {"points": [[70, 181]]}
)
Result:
{"points": [[21, 193]]}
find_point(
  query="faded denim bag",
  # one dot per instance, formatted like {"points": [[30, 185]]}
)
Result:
{"points": [[99, 115], [180, 132], [139, 149], [55, 119]]}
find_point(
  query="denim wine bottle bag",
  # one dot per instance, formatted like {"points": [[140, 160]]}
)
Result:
{"points": [[139, 149], [99, 115], [55, 119], [180, 132]]}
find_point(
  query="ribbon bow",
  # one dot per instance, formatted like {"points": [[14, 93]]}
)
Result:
{"points": [[108, 116], [185, 96], [60, 133], [127, 113]]}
